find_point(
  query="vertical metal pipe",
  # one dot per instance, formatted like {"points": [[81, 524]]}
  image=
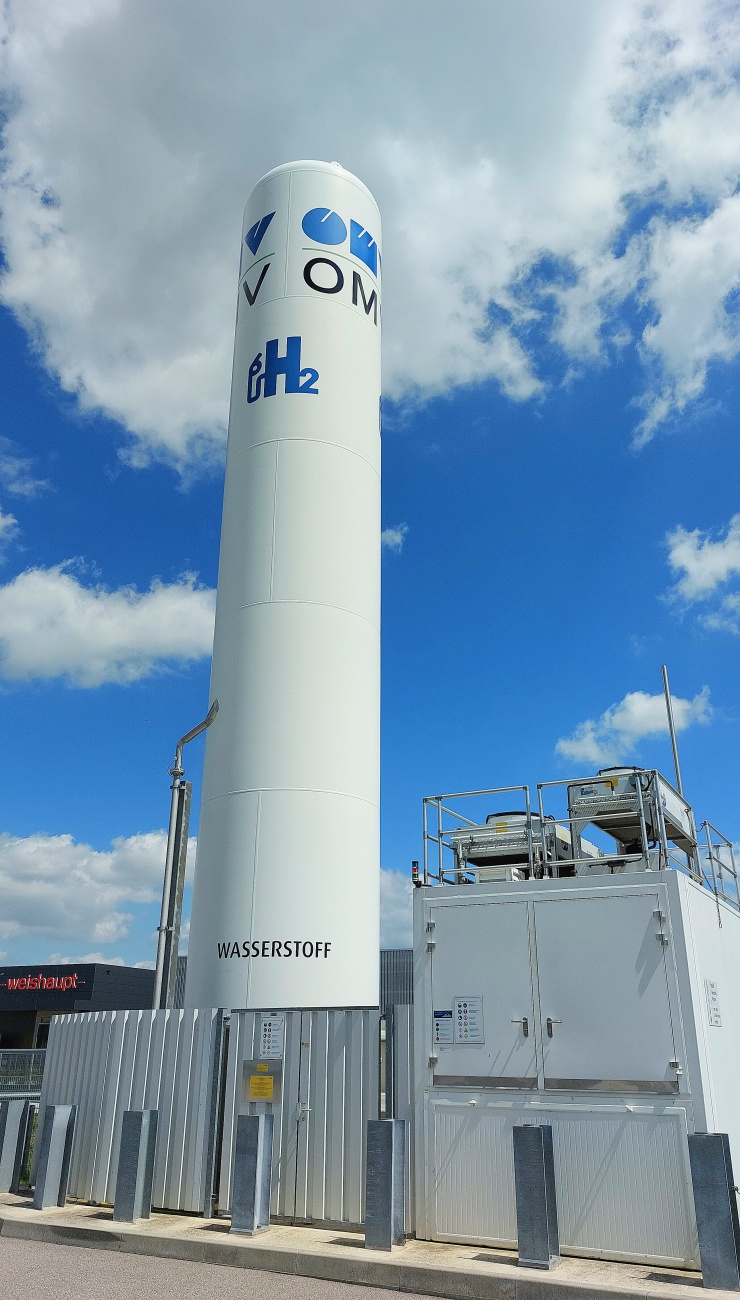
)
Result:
{"points": [[164, 971], [672, 730], [172, 837]]}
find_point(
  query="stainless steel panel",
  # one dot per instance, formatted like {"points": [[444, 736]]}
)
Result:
{"points": [[482, 1081], [664, 1087]]}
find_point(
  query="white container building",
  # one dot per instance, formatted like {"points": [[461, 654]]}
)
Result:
{"points": [[595, 992]]}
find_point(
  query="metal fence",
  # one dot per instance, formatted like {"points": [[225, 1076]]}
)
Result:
{"points": [[194, 1067], [111, 1061], [330, 1088], [21, 1072]]}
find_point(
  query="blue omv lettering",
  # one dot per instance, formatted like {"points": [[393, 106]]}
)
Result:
{"points": [[324, 226], [263, 382], [363, 246]]}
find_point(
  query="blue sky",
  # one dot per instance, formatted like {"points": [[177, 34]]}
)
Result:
{"points": [[561, 464]]}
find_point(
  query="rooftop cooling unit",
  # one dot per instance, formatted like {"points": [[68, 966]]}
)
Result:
{"points": [[500, 849], [611, 801]]}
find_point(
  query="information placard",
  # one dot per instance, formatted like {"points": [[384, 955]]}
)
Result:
{"points": [[272, 1037], [442, 1028], [467, 1013]]}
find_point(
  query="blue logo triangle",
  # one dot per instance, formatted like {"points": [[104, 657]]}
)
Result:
{"points": [[254, 237]]}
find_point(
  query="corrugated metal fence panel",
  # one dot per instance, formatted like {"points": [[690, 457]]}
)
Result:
{"points": [[403, 1023], [330, 1089], [111, 1061], [396, 976]]}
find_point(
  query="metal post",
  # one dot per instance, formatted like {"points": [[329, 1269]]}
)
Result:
{"points": [[250, 1198], [390, 1062], [13, 1125], [174, 872], [715, 1205], [536, 1208], [384, 1184], [52, 1174], [672, 729], [133, 1199]]}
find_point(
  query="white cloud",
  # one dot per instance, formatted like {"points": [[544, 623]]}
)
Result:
{"points": [[537, 165], [395, 910], [703, 564], [16, 474], [727, 617], [56, 959], [53, 887], [8, 529], [392, 539], [613, 737], [53, 626]]}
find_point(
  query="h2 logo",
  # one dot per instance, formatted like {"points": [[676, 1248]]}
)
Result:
{"points": [[263, 383]]}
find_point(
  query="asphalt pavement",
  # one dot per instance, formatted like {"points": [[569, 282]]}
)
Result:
{"points": [[31, 1270]]}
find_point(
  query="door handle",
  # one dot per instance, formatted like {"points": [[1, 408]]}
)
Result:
{"points": [[524, 1022], [549, 1023]]}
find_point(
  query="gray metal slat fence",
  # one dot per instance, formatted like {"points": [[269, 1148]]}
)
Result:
{"points": [[108, 1062]]}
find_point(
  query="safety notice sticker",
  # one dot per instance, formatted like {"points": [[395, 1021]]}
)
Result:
{"points": [[468, 1019], [442, 1028], [272, 1037]]}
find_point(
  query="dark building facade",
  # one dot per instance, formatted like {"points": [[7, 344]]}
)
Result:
{"points": [[31, 995]]}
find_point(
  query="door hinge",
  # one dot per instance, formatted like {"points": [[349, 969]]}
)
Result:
{"points": [[662, 938], [431, 945], [675, 1065], [433, 1061]]}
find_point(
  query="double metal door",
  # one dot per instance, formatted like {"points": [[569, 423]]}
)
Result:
{"points": [[571, 993]]}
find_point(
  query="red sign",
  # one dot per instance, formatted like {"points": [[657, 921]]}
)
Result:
{"points": [[24, 983]]}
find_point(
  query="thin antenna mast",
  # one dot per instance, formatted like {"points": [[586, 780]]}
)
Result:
{"points": [[672, 730]]}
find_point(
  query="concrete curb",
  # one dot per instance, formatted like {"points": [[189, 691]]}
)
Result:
{"points": [[397, 1271]]}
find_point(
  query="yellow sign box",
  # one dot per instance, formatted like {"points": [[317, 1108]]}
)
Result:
{"points": [[261, 1087]]}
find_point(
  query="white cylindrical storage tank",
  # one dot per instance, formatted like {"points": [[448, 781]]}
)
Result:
{"points": [[286, 893]]}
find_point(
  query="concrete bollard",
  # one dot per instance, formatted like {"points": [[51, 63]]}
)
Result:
{"points": [[250, 1196], [14, 1117], [536, 1209], [715, 1206], [384, 1184], [135, 1166], [52, 1171]]}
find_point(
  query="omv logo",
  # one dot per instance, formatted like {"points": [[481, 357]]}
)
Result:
{"points": [[257, 232], [326, 227]]}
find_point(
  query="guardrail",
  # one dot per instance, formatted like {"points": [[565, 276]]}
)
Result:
{"points": [[21, 1071]]}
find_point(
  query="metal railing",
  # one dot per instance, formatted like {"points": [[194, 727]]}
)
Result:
{"points": [[21, 1071], [656, 844], [439, 834], [660, 853], [721, 877]]}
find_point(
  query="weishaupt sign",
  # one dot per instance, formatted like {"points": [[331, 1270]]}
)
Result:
{"points": [[288, 843]]}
